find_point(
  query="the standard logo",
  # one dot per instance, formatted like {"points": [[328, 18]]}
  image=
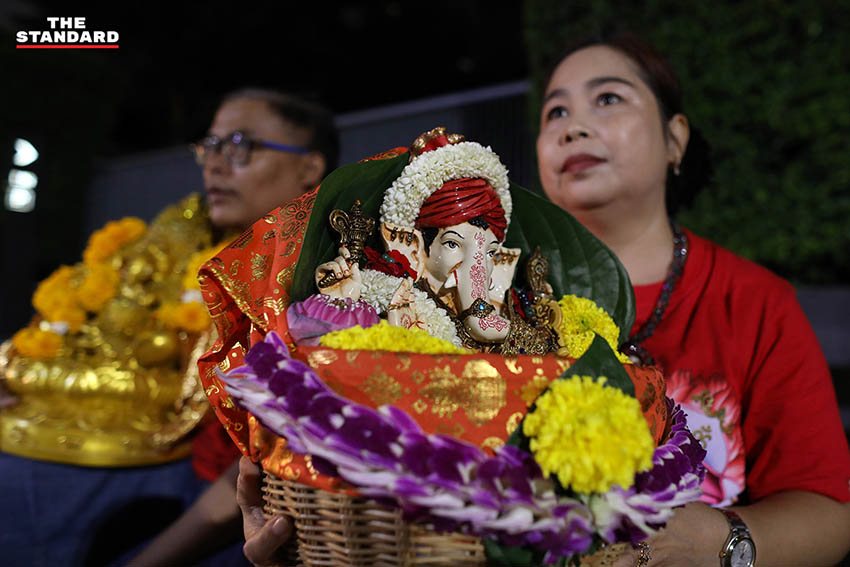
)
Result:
{"points": [[67, 33]]}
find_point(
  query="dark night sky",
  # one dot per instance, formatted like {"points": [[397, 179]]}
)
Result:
{"points": [[176, 59]]}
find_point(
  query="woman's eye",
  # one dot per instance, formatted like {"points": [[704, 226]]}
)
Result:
{"points": [[556, 112], [608, 98]]}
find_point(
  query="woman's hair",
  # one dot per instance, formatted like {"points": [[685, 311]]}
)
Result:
{"points": [[695, 168], [316, 119]]}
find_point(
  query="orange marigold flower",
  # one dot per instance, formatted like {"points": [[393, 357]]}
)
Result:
{"points": [[35, 343], [99, 287], [72, 315], [167, 313], [104, 242], [55, 293], [193, 317], [193, 266]]}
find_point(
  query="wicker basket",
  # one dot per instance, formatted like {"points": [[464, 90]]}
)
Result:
{"points": [[346, 531]]}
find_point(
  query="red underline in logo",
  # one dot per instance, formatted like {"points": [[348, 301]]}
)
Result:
{"points": [[68, 46]]}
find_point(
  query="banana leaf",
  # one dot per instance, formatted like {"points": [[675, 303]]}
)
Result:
{"points": [[364, 181]]}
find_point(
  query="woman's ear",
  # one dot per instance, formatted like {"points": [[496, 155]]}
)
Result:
{"points": [[679, 132], [312, 170]]}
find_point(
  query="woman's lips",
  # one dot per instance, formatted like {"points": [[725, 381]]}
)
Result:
{"points": [[579, 163], [217, 195]]}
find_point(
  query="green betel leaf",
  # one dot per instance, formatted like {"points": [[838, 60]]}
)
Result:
{"points": [[579, 263], [599, 360], [365, 181], [500, 555]]}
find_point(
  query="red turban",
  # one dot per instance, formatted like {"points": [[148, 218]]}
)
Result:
{"points": [[460, 200]]}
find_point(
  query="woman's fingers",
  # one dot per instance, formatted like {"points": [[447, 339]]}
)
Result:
{"points": [[262, 548], [263, 538]]}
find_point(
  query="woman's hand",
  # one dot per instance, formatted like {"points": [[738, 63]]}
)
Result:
{"points": [[347, 281], [693, 537], [263, 538], [788, 528]]}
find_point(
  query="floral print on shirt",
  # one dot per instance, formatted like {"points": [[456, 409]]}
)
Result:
{"points": [[714, 417]]}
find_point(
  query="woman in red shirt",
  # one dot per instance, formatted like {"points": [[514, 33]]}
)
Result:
{"points": [[730, 336]]}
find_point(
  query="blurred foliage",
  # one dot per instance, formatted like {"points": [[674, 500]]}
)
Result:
{"points": [[767, 83]]}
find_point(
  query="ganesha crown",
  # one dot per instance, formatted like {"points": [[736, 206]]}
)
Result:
{"points": [[430, 170]]}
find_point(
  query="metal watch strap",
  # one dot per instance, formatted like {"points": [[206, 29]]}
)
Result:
{"points": [[737, 528]]}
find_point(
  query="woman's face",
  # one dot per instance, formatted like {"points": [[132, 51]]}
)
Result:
{"points": [[237, 194], [602, 139]]}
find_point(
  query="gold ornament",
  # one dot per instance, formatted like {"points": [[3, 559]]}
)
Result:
{"points": [[124, 389]]}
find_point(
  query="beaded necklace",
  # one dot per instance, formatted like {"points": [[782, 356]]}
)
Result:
{"points": [[632, 347]]}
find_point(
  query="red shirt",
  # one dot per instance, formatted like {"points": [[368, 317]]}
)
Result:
{"points": [[212, 450], [743, 361]]}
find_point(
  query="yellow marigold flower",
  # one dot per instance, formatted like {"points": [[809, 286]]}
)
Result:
{"points": [[167, 313], [55, 290], [72, 315], [104, 242], [191, 316], [581, 319], [98, 287], [193, 266], [35, 343], [384, 336], [48, 301], [589, 435]]}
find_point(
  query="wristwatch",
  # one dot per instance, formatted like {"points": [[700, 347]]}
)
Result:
{"points": [[739, 549]]}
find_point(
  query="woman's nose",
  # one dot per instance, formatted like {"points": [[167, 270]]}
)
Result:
{"points": [[216, 163], [574, 132]]}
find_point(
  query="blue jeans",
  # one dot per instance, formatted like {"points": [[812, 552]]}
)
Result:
{"points": [[50, 513]]}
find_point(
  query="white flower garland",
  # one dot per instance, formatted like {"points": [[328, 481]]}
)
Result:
{"points": [[438, 321], [427, 173], [378, 290]]}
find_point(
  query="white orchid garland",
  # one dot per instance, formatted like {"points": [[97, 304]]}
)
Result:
{"points": [[429, 171]]}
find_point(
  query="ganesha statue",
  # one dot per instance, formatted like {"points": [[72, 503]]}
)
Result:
{"points": [[444, 268]]}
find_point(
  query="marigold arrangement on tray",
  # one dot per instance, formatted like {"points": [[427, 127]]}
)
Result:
{"points": [[426, 377], [106, 372]]}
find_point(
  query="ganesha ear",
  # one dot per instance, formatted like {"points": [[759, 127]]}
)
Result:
{"points": [[408, 242]]}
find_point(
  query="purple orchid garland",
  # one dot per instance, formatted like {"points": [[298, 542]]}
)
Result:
{"points": [[449, 483]]}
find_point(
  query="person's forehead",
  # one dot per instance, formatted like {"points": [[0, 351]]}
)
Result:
{"points": [[251, 116], [584, 65]]}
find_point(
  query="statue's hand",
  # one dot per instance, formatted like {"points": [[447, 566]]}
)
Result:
{"points": [[341, 275]]}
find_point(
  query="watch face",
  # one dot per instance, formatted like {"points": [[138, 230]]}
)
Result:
{"points": [[743, 554]]}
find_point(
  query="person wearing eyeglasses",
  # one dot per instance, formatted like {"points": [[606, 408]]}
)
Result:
{"points": [[263, 149], [75, 490]]}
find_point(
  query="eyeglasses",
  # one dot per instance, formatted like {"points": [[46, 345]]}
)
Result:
{"points": [[237, 147]]}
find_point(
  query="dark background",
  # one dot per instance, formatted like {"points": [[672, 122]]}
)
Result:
{"points": [[766, 81], [84, 108]]}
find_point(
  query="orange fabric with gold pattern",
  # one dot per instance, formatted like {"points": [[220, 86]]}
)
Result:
{"points": [[246, 290]]}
